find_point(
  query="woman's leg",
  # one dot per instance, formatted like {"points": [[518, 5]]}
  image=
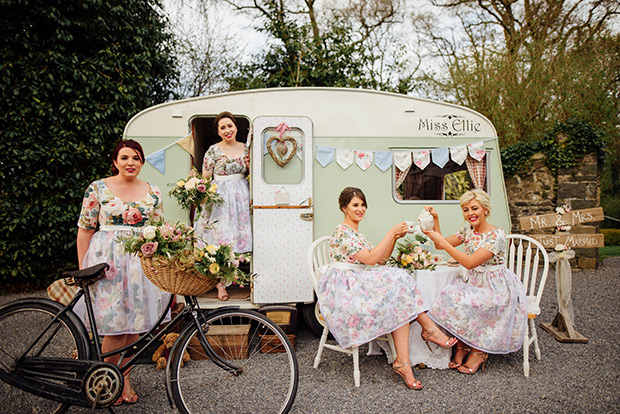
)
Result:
{"points": [[112, 342], [430, 332], [401, 364]]}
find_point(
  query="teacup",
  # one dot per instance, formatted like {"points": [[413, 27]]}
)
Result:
{"points": [[425, 220], [410, 226]]}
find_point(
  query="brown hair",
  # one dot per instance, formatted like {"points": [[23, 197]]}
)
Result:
{"points": [[347, 195], [126, 143], [221, 116]]}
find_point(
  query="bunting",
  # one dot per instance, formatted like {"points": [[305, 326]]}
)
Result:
{"points": [[158, 158]]}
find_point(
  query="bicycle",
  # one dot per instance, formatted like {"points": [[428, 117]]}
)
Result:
{"points": [[241, 361]]}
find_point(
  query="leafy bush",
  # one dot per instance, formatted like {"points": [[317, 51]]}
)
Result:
{"points": [[72, 74], [612, 237]]}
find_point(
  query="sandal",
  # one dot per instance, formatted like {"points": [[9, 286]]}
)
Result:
{"points": [[454, 365], [221, 296], [471, 371], [428, 334], [417, 385], [131, 400]]}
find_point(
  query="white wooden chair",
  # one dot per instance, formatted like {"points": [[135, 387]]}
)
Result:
{"points": [[528, 259], [318, 259]]}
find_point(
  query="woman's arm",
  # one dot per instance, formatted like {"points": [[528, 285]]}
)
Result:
{"points": [[468, 261], [381, 252], [83, 240]]}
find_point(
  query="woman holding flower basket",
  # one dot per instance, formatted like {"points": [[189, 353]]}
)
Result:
{"points": [[485, 307], [360, 304], [126, 303], [227, 162]]}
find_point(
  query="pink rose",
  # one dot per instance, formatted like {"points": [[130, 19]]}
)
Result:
{"points": [[149, 248], [353, 321], [201, 187], [92, 201], [132, 216]]}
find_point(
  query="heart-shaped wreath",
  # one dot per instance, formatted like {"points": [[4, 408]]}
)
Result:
{"points": [[280, 155]]}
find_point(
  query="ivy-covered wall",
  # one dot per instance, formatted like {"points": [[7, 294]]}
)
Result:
{"points": [[563, 169]]}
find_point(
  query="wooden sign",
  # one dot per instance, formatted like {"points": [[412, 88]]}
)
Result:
{"points": [[549, 241], [571, 218]]}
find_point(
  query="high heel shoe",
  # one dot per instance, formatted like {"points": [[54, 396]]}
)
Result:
{"points": [[426, 335], [417, 385], [471, 371], [454, 365]]}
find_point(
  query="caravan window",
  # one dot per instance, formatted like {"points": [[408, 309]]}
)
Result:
{"points": [[435, 183]]}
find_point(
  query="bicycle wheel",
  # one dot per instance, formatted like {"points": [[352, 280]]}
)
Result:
{"points": [[249, 341], [20, 324]]}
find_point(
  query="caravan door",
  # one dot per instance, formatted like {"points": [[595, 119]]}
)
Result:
{"points": [[282, 209]]}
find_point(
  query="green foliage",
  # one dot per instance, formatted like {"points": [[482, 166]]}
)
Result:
{"points": [[612, 237], [72, 75], [563, 147]]}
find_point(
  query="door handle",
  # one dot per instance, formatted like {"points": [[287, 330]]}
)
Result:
{"points": [[307, 216]]}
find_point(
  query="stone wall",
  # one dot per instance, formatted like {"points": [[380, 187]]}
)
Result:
{"points": [[538, 192]]}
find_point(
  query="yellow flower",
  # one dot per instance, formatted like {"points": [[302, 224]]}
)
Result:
{"points": [[211, 249], [403, 261], [214, 268], [409, 259], [199, 255], [180, 183], [213, 188]]}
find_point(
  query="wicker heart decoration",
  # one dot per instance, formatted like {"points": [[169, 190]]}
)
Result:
{"points": [[280, 156]]}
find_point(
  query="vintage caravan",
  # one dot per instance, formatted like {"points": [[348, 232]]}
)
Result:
{"points": [[307, 144]]}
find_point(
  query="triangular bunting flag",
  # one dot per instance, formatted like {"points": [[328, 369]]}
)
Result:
{"points": [[158, 160]]}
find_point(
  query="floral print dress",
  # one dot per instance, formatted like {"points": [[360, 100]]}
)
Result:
{"points": [[360, 305], [230, 222], [125, 302], [486, 309]]}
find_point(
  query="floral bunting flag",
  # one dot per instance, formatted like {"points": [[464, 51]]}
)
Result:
{"points": [[458, 154], [402, 160], [440, 156], [344, 158], [383, 160], [421, 158], [325, 155], [476, 150], [363, 159]]}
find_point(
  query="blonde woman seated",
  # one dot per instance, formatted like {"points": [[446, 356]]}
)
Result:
{"points": [[360, 304], [485, 308]]}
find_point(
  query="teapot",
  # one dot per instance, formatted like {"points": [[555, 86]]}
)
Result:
{"points": [[425, 220]]}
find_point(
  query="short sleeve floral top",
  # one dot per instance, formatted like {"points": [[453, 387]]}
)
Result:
{"points": [[218, 163], [345, 243], [101, 206], [494, 241]]}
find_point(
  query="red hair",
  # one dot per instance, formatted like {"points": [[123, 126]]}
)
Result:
{"points": [[126, 143]]}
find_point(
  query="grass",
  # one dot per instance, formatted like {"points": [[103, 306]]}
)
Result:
{"points": [[608, 251]]}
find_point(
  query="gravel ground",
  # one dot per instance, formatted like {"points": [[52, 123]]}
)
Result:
{"points": [[570, 378]]}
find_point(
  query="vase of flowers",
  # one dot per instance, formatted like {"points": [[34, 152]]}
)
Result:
{"points": [[414, 255], [197, 191], [172, 261]]}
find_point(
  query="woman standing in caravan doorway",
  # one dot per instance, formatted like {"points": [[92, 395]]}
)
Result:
{"points": [[227, 162]]}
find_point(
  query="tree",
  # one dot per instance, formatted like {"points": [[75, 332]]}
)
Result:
{"points": [[347, 44], [72, 74]]}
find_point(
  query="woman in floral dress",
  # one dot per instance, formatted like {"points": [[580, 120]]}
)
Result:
{"points": [[360, 304], [485, 308], [227, 162], [126, 303]]}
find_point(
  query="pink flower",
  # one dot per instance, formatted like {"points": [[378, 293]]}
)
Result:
{"points": [[201, 188], [353, 321], [132, 216], [92, 201], [149, 248]]}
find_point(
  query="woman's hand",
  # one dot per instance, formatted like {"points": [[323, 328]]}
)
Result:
{"points": [[399, 230], [431, 210], [437, 238]]}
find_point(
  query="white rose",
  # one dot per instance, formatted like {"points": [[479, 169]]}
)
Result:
{"points": [[190, 184], [114, 206], [149, 232]]}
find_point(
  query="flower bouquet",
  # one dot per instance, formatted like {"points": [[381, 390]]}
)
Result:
{"points": [[197, 191], [221, 262], [413, 255], [171, 260]]}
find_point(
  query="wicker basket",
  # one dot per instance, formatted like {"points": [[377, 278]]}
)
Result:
{"points": [[171, 279]]}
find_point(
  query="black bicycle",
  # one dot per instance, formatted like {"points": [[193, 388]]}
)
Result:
{"points": [[241, 361]]}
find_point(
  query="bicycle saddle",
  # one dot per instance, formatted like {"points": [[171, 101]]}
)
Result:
{"points": [[89, 274]]}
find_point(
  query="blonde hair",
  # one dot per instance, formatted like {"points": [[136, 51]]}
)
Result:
{"points": [[479, 195]]}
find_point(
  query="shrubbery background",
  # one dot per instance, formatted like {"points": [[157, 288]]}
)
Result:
{"points": [[72, 74]]}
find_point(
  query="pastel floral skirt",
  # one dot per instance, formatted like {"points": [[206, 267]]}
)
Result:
{"points": [[488, 312], [125, 302], [361, 305], [230, 222]]}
